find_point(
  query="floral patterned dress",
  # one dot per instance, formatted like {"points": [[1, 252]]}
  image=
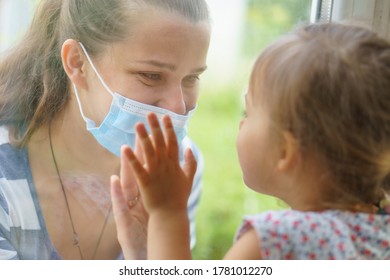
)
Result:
{"points": [[330, 234]]}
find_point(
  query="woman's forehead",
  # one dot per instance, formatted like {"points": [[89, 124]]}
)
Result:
{"points": [[166, 42]]}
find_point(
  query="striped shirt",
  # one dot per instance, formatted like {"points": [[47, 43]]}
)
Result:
{"points": [[23, 234]]}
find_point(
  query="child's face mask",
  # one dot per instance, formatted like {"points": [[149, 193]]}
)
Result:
{"points": [[117, 127]]}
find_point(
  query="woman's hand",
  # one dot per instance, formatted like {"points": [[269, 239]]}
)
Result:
{"points": [[129, 213]]}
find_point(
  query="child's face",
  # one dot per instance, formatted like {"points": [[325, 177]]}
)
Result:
{"points": [[255, 146]]}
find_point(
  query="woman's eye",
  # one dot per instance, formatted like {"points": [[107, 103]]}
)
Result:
{"points": [[191, 80], [151, 76], [244, 114]]}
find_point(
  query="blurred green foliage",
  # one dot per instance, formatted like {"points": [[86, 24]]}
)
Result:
{"points": [[214, 128], [268, 19], [225, 198]]}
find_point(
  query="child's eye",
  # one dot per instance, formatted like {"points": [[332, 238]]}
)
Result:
{"points": [[244, 114]]}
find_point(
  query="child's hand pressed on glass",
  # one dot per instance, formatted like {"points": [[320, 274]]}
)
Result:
{"points": [[164, 184], [164, 187]]}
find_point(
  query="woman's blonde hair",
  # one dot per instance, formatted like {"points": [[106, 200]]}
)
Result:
{"points": [[33, 84], [329, 84]]}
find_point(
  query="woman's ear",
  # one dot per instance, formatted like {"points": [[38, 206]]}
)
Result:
{"points": [[289, 152], [73, 62]]}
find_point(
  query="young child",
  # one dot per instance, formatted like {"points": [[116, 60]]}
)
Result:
{"points": [[316, 134]]}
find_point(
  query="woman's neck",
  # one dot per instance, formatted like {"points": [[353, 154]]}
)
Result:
{"points": [[75, 149]]}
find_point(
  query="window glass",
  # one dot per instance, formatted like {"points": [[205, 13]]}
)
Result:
{"points": [[241, 29]]}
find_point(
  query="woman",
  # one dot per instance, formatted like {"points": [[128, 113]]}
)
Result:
{"points": [[69, 93]]}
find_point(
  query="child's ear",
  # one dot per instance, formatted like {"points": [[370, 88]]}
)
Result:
{"points": [[289, 152], [73, 62]]}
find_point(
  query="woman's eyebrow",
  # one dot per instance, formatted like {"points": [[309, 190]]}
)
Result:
{"points": [[169, 66], [159, 64]]}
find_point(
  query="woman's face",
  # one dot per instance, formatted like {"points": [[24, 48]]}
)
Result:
{"points": [[159, 64]]}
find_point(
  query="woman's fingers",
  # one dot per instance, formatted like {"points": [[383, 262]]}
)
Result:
{"points": [[131, 222], [190, 164], [119, 204], [127, 180]]}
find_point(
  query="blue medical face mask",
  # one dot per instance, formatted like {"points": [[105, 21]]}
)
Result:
{"points": [[118, 127]]}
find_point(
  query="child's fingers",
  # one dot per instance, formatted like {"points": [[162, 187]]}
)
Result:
{"points": [[147, 146], [170, 137], [190, 164], [139, 171], [157, 134]]}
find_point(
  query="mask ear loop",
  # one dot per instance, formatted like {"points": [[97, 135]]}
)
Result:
{"points": [[87, 120], [76, 93], [95, 70]]}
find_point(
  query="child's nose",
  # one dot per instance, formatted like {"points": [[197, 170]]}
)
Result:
{"points": [[241, 123]]}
